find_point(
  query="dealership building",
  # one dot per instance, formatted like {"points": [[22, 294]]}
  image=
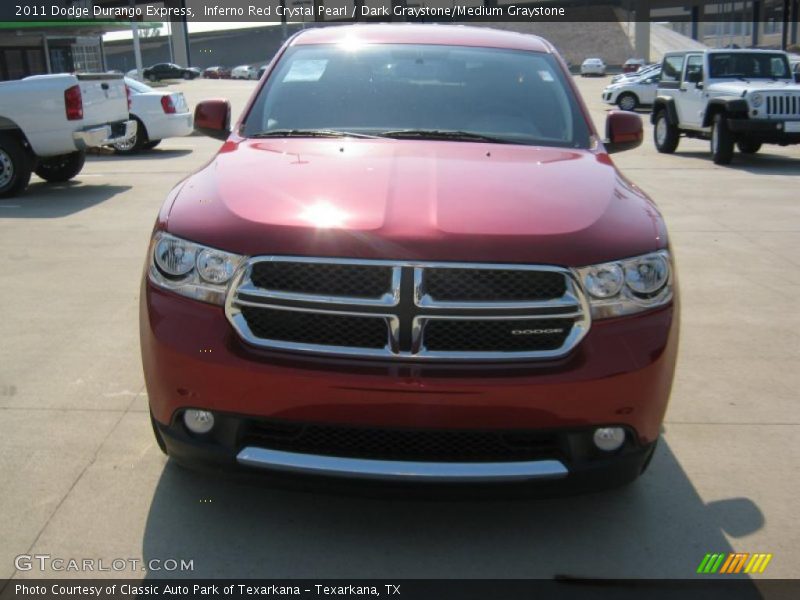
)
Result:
{"points": [[53, 47], [30, 48]]}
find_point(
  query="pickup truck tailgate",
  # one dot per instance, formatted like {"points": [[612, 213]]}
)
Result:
{"points": [[104, 98]]}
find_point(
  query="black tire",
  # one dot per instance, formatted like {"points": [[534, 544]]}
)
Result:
{"points": [[136, 143], [628, 101], [157, 434], [57, 169], [649, 458], [15, 166], [748, 147], [151, 145], [187, 75], [151, 78], [721, 141], [665, 135]]}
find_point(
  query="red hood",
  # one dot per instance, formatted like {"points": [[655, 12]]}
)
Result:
{"points": [[423, 200]]}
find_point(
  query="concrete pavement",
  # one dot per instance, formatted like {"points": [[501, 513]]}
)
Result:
{"points": [[83, 477]]}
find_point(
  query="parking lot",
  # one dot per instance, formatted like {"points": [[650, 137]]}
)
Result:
{"points": [[83, 477]]}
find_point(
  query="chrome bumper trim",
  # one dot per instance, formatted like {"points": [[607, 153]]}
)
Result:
{"points": [[101, 136], [397, 470]]}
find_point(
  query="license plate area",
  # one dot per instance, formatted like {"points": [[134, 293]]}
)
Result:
{"points": [[791, 126]]}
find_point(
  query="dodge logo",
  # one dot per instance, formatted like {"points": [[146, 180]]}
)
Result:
{"points": [[535, 331]]}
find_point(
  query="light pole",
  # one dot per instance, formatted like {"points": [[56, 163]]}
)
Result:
{"points": [[303, 3]]}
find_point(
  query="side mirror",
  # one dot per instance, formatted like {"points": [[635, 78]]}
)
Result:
{"points": [[624, 131], [695, 77], [213, 118]]}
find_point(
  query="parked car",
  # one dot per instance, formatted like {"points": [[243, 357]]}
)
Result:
{"points": [[632, 65], [733, 98], [593, 66], [217, 73], [633, 93], [169, 71], [796, 71], [48, 121], [643, 71], [244, 72], [457, 287], [261, 70], [158, 115]]}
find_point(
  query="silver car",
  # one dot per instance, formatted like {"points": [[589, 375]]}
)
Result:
{"points": [[593, 66]]}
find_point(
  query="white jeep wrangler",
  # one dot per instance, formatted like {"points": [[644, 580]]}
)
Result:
{"points": [[731, 97]]}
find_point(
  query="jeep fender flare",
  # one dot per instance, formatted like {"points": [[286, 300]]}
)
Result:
{"points": [[732, 107], [668, 105]]}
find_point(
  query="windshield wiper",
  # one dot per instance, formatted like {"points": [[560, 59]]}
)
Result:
{"points": [[444, 134], [328, 133]]}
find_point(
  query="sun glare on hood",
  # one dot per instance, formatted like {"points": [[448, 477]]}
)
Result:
{"points": [[323, 215]]}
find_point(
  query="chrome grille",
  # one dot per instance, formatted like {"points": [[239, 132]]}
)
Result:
{"points": [[493, 285], [783, 104], [495, 335], [316, 328], [330, 279], [440, 311]]}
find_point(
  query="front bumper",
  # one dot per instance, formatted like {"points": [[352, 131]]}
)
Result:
{"points": [[770, 131], [575, 466], [620, 375], [104, 135]]}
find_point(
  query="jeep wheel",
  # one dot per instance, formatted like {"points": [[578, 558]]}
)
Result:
{"points": [[665, 134], [627, 101], [721, 141], [57, 169], [748, 147], [15, 166]]}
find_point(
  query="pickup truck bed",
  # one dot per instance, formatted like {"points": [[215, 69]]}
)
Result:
{"points": [[48, 121]]}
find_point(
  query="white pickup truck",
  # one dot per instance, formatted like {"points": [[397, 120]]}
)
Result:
{"points": [[48, 121]]}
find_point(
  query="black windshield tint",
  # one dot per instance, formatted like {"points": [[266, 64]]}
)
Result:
{"points": [[744, 65], [514, 96]]}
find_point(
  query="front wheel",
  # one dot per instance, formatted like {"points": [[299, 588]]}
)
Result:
{"points": [[665, 134], [748, 147], [15, 166], [627, 101], [721, 141], [58, 169]]}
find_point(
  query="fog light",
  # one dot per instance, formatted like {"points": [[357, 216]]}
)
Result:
{"points": [[198, 421], [609, 438]]}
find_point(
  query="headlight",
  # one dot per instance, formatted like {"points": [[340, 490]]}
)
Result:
{"points": [[628, 286], [190, 269], [174, 257], [756, 100]]}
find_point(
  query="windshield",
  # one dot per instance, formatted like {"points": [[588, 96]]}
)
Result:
{"points": [[499, 95], [756, 65]]}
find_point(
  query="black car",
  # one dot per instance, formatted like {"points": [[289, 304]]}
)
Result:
{"points": [[169, 71]]}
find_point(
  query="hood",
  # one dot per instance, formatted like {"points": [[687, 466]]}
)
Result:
{"points": [[415, 200], [738, 88]]}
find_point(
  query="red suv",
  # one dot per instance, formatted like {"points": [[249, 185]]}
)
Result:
{"points": [[412, 260]]}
